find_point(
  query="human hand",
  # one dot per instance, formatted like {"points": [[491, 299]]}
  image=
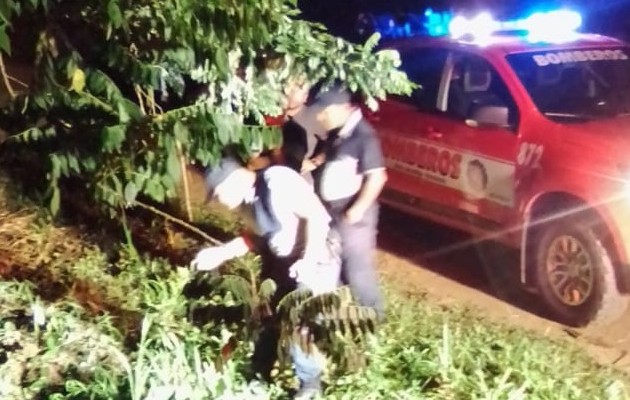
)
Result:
{"points": [[299, 269], [315, 276], [307, 166], [209, 259], [354, 215], [318, 159]]}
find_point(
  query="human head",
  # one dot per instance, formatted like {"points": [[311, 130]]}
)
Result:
{"points": [[229, 182], [295, 95], [334, 107]]}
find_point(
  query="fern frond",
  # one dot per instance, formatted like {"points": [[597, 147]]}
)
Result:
{"points": [[238, 286], [321, 304], [267, 289], [292, 301], [355, 320], [345, 295]]}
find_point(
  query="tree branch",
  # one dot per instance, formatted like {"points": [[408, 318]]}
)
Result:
{"points": [[5, 78], [179, 222]]}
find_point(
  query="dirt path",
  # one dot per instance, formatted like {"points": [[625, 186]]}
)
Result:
{"points": [[424, 258]]}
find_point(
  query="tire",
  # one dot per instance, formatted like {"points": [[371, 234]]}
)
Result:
{"points": [[500, 266], [574, 274]]}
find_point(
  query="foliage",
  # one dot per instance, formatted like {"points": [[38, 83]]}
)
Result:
{"points": [[340, 323], [126, 329], [61, 349], [429, 352], [126, 92]]}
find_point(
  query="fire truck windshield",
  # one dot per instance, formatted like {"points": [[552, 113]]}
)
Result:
{"points": [[576, 85]]}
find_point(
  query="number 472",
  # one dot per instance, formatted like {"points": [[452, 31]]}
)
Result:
{"points": [[530, 154]]}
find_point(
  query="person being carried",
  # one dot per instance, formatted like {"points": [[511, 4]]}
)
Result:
{"points": [[297, 246]]}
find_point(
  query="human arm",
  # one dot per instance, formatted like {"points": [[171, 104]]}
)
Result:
{"points": [[311, 164], [302, 202], [373, 182], [211, 258], [316, 234], [317, 227], [372, 167], [318, 157]]}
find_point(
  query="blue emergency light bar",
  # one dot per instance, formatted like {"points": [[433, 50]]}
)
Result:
{"points": [[427, 23], [550, 26], [557, 25]]}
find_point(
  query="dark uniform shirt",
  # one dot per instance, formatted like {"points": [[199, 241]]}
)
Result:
{"points": [[351, 152]]}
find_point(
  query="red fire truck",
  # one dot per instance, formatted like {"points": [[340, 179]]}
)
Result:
{"points": [[520, 132]]}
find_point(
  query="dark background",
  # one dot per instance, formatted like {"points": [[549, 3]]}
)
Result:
{"points": [[609, 17]]}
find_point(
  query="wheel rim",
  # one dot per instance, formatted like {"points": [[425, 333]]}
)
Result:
{"points": [[570, 270]]}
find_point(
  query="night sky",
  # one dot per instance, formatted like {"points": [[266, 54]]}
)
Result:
{"points": [[610, 17]]}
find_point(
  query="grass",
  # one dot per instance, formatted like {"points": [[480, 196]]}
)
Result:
{"points": [[431, 352], [79, 323]]}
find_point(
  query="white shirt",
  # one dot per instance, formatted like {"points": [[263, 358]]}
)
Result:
{"points": [[340, 177], [291, 196]]}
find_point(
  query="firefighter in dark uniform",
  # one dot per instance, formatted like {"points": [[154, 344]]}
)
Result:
{"points": [[351, 179]]}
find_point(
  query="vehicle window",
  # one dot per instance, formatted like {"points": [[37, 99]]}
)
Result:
{"points": [[576, 85], [424, 67], [474, 87]]}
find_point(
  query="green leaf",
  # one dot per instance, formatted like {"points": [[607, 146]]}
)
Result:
{"points": [[55, 201], [131, 110], [73, 163], [97, 82], [313, 62], [5, 45], [222, 129], [172, 165], [155, 190], [115, 16], [6, 9], [56, 167], [112, 137], [371, 43], [267, 289], [40, 101], [123, 115], [131, 191], [221, 59], [181, 132], [78, 80]]}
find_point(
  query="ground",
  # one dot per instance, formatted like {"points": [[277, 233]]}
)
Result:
{"points": [[421, 257]]}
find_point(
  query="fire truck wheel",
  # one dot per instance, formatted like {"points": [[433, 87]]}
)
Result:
{"points": [[575, 275]]}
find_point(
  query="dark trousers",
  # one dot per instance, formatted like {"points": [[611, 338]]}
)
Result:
{"points": [[358, 269], [266, 347], [308, 367]]}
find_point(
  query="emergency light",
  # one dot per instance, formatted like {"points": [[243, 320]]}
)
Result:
{"points": [[551, 26], [428, 23]]}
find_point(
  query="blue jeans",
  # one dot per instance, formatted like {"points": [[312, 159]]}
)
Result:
{"points": [[308, 367], [358, 271]]}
